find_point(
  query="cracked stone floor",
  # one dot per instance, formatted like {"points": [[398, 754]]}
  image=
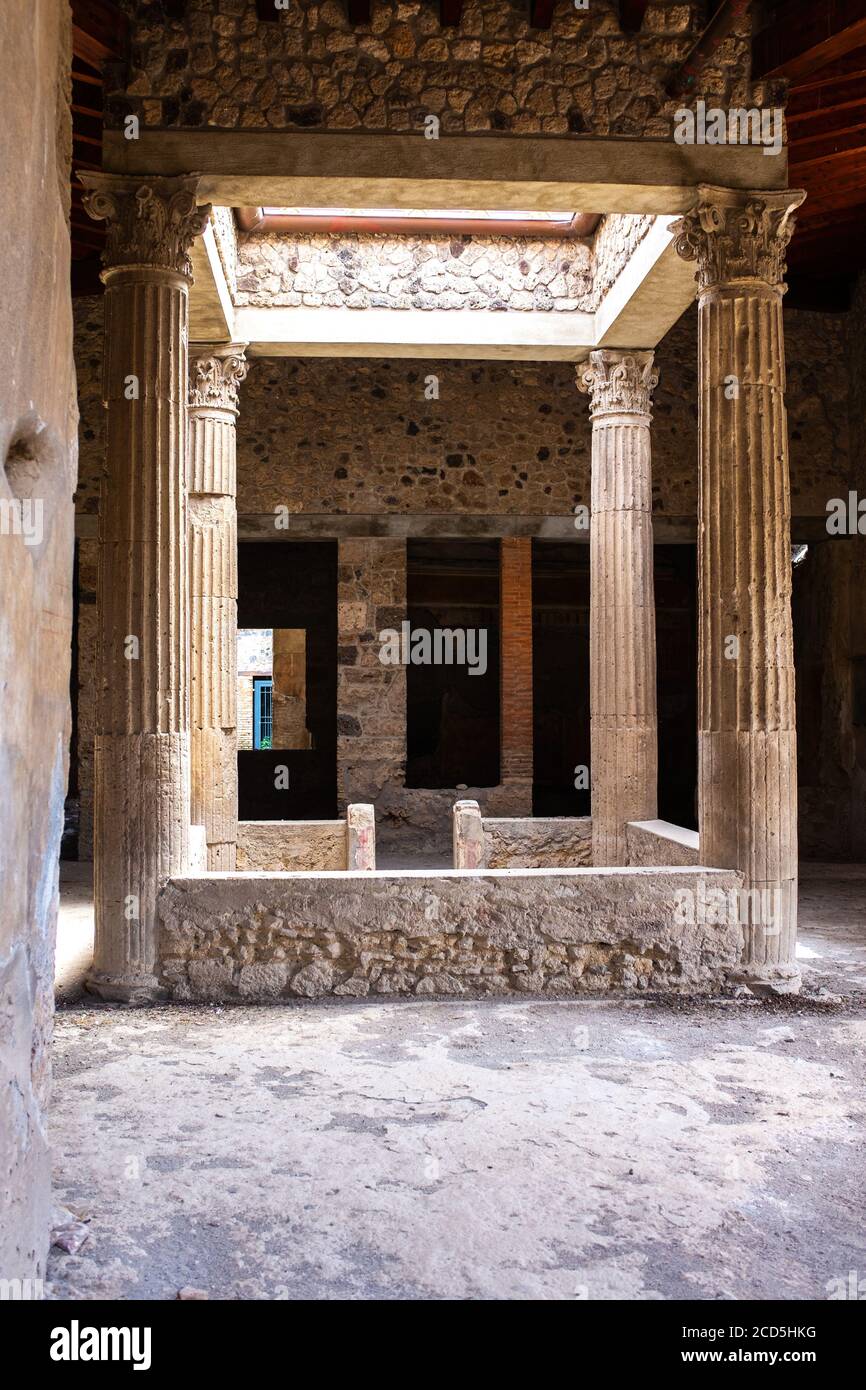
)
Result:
{"points": [[520, 1149]]}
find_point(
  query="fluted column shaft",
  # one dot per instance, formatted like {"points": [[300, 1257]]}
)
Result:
{"points": [[747, 757], [215, 375], [141, 791], [622, 643]]}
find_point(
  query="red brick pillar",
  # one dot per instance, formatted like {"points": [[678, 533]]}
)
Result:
{"points": [[515, 680]]}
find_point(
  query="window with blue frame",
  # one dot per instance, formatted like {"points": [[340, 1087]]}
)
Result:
{"points": [[263, 696]]}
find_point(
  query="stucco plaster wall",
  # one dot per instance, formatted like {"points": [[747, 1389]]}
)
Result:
{"points": [[38, 445]]}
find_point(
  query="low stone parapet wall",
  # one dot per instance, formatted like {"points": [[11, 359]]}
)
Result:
{"points": [[537, 842], [655, 842], [560, 932], [273, 846], [519, 842]]}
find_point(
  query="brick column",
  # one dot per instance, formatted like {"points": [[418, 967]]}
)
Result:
{"points": [[515, 671], [747, 755], [622, 636], [142, 770], [215, 376]]}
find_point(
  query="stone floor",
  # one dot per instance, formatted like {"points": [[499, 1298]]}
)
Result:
{"points": [[525, 1149]]}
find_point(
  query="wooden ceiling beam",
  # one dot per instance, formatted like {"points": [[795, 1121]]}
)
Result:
{"points": [[99, 31], [803, 37], [805, 106]]}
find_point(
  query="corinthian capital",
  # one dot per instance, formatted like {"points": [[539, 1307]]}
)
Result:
{"points": [[736, 234], [151, 221], [618, 383], [215, 373]]}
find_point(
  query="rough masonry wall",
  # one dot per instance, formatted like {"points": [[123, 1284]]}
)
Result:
{"points": [[348, 435], [556, 932], [557, 275], [210, 63], [391, 272], [371, 697], [37, 470]]}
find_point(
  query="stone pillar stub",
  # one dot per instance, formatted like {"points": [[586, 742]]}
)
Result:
{"points": [[622, 642], [142, 766], [747, 766], [216, 374], [468, 835], [360, 837]]}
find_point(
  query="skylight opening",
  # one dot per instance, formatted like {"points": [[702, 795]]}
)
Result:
{"points": [[434, 214]]}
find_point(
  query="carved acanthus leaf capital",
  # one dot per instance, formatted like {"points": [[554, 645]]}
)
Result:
{"points": [[151, 221], [215, 376], [618, 383], [736, 234]]}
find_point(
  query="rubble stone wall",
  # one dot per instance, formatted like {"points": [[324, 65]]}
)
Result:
{"points": [[515, 842], [285, 845], [210, 63], [393, 272], [556, 932]]}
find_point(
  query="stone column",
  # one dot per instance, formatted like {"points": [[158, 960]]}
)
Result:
{"points": [[747, 766], [215, 375], [622, 634], [142, 772], [515, 673]]}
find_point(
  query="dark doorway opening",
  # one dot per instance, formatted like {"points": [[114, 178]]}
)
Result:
{"points": [[560, 665], [452, 710], [293, 585], [560, 678], [677, 682]]}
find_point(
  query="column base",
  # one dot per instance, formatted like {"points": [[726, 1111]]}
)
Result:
{"points": [[768, 980], [125, 989], [222, 858]]}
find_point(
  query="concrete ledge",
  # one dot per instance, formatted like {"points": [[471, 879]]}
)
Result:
{"points": [[259, 937], [653, 842]]}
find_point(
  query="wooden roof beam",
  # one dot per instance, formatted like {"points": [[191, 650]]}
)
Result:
{"points": [[803, 37]]}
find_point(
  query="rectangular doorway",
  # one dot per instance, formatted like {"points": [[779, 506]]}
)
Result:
{"points": [[287, 680], [452, 706]]}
